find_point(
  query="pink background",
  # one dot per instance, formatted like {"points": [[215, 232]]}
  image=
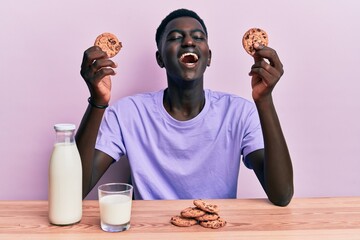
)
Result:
{"points": [[317, 99]]}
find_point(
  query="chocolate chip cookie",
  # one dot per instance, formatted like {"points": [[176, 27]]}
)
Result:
{"points": [[252, 36], [182, 221], [207, 207], [192, 212], [218, 223], [109, 43], [208, 217]]}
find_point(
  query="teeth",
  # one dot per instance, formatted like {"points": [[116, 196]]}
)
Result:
{"points": [[189, 54]]}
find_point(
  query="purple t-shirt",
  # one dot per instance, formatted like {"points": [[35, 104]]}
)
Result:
{"points": [[171, 159]]}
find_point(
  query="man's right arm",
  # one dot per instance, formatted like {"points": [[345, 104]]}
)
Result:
{"points": [[94, 162], [96, 69]]}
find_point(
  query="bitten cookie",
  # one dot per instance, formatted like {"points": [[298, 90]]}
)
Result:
{"points": [[192, 212], [207, 207], [182, 221], [109, 43], [252, 36], [208, 217], [213, 224]]}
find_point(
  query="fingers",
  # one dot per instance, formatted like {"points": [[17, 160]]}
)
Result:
{"points": [[101, 64], [96, 65], [267, 65], [103, 72], [91, 54], [261, 71], [263, 52], [265, 70]]}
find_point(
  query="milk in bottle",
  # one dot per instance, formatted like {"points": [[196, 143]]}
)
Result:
{"points": [[65, 178]]}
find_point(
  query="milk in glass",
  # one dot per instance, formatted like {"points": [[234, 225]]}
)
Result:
{"points": [[115, 209], [115, 200]]}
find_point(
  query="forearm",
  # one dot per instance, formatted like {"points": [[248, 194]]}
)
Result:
{"points": [[278, 172], [85, 140]]}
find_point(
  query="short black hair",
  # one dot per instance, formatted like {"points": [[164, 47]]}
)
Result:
{"points": [[182, 12]]}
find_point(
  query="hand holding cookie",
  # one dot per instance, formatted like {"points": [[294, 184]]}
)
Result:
{"points": [[267, 68], [96, 67], [204, 214]]}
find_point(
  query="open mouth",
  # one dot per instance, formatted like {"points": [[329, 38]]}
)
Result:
{"points": [[189, 59]]}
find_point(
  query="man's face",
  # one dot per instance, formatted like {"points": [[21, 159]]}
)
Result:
{"points": [[184, 50]]}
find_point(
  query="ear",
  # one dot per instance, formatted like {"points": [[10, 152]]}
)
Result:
{"points": [[209, 59], [159, 60]]}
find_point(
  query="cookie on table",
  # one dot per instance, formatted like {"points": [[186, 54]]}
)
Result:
{"points": [[182, 221], [252, 36], [109, 43], [207, 207], [208, 217], [192, 212], [218, 223]]}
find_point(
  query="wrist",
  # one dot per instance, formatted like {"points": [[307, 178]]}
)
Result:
{"points": [[96, 105], [264, 102]]}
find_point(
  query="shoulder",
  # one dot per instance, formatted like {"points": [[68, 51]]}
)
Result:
{"points": [[139, 97], [229, 99], [139, 100], [136, 108]]}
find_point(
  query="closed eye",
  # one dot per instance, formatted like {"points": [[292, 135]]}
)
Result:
{"points": [[174, 38], [175, 35], [199, 38]]}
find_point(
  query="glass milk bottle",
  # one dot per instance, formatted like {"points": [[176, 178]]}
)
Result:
{"points": [[65, 178]]}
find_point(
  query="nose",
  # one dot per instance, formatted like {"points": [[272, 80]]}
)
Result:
{"points": [[188, 40]]}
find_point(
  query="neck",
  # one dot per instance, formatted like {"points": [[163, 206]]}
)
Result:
{"points": [[184, 104]]}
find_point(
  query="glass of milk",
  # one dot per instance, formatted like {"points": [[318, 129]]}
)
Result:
{"points": [[115, 201]]}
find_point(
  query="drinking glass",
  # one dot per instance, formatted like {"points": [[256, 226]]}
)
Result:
{"points": [[115, 200]]}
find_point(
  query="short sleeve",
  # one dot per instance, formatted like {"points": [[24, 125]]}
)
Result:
{"points": [[109, 139], [253, 138]]}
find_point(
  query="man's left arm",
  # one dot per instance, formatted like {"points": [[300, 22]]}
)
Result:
{"points": [[272, 165]]}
